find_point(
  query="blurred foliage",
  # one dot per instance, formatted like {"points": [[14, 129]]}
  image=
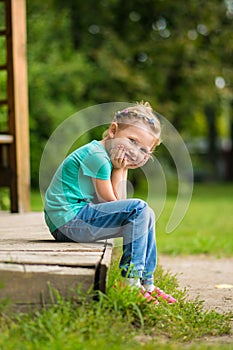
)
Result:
{"points": [[4, 199], [82, 53]]}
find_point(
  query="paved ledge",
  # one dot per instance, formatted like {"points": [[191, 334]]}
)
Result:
{"points": [[31, 261]]}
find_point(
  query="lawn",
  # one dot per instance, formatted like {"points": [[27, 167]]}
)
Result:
{"points": [[121, 320], [207, 226]]}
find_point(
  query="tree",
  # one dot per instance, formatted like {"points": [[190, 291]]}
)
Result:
{"points": [[167, 52]]}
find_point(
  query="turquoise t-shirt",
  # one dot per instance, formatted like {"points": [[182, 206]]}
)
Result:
{"points": [[72, 182]]}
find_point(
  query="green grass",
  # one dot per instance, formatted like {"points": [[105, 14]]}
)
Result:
{"points": [[36, 201], [118, 320], [207, 226]]}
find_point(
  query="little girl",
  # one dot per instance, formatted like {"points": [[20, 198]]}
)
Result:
{"points": [[99, 170]]}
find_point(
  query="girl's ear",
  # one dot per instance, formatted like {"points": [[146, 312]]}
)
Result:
{"points": [[112, 130]]}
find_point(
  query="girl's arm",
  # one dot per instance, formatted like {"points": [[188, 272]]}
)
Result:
{"points": [[119, 182], [116, 188], [119, 172], [104, 190]]}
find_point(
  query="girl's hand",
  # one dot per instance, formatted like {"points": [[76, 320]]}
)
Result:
{"points": [[118, 159]]}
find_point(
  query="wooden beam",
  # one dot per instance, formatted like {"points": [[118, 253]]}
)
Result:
{"points": [[31, 261], [6, 139], [18, 103]]}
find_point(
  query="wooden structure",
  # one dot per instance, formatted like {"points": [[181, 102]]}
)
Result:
{"points": [[14, 130], [32, 262]]}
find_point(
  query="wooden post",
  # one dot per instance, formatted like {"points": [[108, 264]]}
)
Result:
{"points": [[18, 104]]}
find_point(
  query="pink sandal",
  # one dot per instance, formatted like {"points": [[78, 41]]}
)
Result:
{"points": [[143, 293], [160, 293]]}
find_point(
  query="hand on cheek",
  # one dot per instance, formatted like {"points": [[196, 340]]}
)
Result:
{"points": [[118, 158]]}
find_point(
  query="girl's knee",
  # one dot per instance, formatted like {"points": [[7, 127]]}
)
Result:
{"points": [[138, 203], [148, 211], [141, 205], [138, 207]]}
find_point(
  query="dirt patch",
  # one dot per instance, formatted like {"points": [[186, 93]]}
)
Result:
{"points": [[209, 278]]}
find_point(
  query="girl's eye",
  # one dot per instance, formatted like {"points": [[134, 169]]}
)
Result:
{"points": [[133, 141], [143, 150]]}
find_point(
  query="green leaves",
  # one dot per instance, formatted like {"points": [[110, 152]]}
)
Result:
{"points": [[167, 52]]}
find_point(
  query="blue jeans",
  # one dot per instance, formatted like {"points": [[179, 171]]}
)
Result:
{"points": [[131, 219]]}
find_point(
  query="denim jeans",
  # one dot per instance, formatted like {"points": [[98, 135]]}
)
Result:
{"points": [[131, 219]]}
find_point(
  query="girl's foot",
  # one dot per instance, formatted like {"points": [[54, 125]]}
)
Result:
{"points": [[156, 292], [143, 293]]}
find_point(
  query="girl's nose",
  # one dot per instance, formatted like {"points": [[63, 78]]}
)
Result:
{"points": [[133, 151]]}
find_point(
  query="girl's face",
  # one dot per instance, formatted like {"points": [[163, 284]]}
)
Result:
{"points": [[137, 143]]}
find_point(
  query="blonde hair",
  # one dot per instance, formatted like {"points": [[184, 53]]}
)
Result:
{"points": [[141, 113]]}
